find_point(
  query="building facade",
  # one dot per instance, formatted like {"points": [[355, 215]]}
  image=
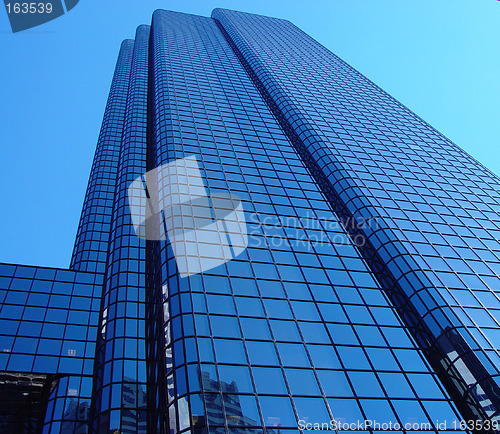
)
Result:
{"points": [[317, 254]]}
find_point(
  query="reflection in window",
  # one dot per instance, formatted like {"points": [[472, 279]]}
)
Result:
{"points": [[236, 376], [241, 410], [312, 410]]}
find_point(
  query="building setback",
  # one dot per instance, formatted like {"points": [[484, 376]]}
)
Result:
{"points": [[352, 268]]}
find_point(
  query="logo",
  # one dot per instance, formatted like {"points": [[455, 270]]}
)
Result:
{"points": [[204, 230], [27, 14]]}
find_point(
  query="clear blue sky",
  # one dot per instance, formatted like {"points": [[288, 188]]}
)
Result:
{"points": [[439, 58]]}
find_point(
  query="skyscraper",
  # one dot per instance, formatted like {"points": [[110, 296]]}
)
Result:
{"points": [[268, 241]]}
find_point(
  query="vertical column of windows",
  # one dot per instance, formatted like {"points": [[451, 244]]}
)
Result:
{"points": [[381, 163], [92, 238], [267, 339], [120, 384]]}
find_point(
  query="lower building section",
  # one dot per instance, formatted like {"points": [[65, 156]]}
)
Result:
{"points": [[23, 401]]}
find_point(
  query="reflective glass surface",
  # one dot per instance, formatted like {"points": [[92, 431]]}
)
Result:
{"points": [[366, 291]]}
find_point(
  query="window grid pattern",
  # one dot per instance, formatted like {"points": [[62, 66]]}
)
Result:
{"points": [[68, 406], [92, 238], [48, 319], [120, 386], [436, 207], [48, 325], [307, 324], [283, 332]]}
